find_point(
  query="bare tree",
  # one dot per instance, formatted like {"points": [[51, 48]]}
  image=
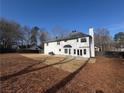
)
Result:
{"points": [[10, 33], [103, 39], [119, 40], [27, 35], [34, 33], [44, 36]]}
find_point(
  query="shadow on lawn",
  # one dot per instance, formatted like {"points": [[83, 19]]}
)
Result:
{"points": [[66, 80], [28, 68]]}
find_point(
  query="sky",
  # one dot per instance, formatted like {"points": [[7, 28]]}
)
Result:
{"points": [[69, 14]]}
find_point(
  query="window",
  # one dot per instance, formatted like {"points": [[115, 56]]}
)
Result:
{"points": [[81, 52], [74, 51], [83, 40], [84, 51], [66, 51], [58, 43], [65, 40], [77, 40], [78, 52], [47, 44], [59, 49], [69, 51]]}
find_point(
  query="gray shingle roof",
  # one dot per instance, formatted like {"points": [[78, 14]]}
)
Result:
{"points": [[72, 35]]}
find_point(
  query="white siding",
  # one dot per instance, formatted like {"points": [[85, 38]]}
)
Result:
{"points": [[53, 47]]}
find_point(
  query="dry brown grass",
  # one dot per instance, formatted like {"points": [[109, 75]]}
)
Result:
{"points": [[29, 73], [63, 62]]}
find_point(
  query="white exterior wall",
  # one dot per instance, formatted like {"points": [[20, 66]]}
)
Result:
{"points": [[53, 47], [92, 48]]}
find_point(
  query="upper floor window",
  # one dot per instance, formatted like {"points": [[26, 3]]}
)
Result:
{"points": [[77, 39], [65, 40], [58, 43], [83, 40], [47, 44]]}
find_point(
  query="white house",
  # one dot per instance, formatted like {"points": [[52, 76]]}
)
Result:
{"points": [[76, 44]]}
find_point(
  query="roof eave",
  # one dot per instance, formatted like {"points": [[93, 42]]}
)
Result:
{"points": [[66, 39]]}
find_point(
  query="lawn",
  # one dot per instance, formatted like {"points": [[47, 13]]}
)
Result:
{"points": [[37, 73]]}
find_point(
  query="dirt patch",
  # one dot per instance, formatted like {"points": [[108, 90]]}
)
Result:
{"points": [[21, 74]]}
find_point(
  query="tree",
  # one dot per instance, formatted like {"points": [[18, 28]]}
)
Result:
{"points": [[102, 39], [34, 33], [119, 39], [10, 33], [27, 35], [43, 37]]}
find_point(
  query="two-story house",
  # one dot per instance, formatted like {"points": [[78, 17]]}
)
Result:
{"points": [[76, 44]]}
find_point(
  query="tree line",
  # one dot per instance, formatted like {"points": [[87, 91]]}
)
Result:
{"points": [[12, 33], [106, 42]]}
